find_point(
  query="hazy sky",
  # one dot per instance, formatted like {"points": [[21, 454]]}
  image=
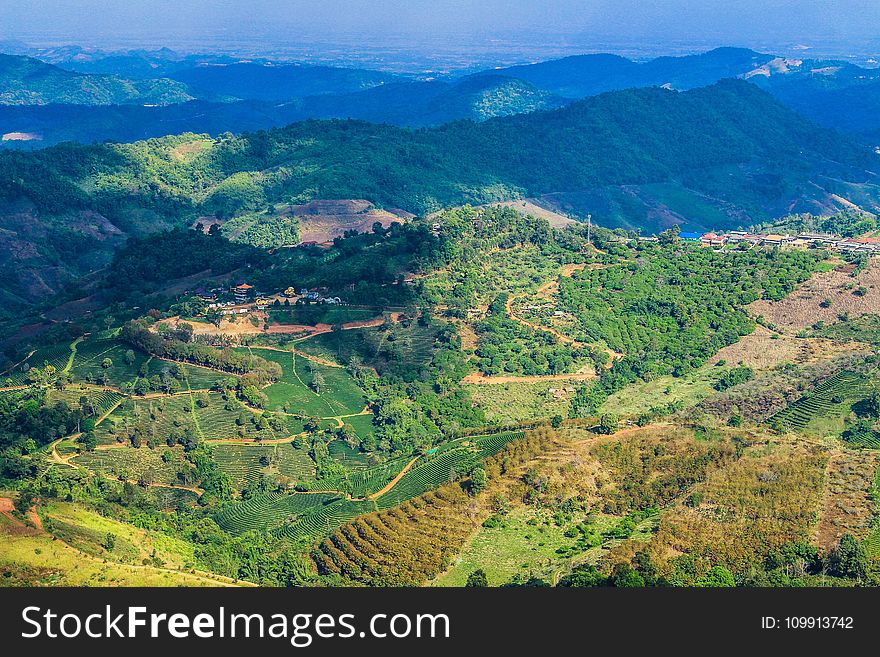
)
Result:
{"points": [[168, 22]]}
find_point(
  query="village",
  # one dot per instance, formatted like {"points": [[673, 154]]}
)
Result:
{"points": [[242, 298], [866, 245]]}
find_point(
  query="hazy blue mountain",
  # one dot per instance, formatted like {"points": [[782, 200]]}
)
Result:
{"points": [[587, 75], [28, 81], [278, 82], [408, 103]]}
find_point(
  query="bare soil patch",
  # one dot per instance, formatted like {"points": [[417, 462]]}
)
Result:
{"points": [[804, 307], [321, 221]]}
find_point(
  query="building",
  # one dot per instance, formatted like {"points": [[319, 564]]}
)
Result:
{"points": [[290, 292], [778, 240], [690, 237], [242, 292], [713, 240]]}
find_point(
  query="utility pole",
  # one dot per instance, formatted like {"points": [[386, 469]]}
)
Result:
{"points": [[589, 228]]}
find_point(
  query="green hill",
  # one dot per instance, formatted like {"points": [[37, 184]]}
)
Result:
{"points": [[28, 81], [729, 152]]}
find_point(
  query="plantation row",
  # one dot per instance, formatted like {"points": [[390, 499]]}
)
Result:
{"points": [[402, 546], [842, 386], [246, 463], [99, 401], [162, 465], [448, 462], [267, 509], [56, 355]]}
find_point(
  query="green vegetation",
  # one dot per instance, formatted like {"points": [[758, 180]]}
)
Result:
{"points": [[843, 386]]}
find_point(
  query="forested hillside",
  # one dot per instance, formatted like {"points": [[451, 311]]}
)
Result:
{"points": [[730, 145], [27, 81]]}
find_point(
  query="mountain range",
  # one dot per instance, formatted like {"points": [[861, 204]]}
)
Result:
{"points": [[141, 95], [712, 157]]}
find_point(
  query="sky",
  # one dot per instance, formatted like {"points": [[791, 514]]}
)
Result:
{"points": [[673, 22]]}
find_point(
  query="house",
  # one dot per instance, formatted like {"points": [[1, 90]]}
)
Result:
{"points": [[290, 292], [241, 292], [331, 301], [778, 240], [869, 245], [262, 303], [740, 237], [713, 240]]}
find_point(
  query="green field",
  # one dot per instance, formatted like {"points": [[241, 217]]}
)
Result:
{"points": [[641, 397], [159, 418], [339, 394], [822, 411], [100, 400], [269, 509], [58, 356], [397, 348], [163, 465], [245, 464], [314, 314], [88, 364], [508, 403]]}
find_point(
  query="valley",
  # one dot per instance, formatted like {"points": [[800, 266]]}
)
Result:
{"points": [[589, 322]]}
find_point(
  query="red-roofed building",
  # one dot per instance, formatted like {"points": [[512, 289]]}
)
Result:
{"points": [[242, 292]]}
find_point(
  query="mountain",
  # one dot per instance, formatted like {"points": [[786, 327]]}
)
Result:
{"points": [[587, 75], [714, 157], [28, 81], [272, 82], [410, 103], [834, 94]]}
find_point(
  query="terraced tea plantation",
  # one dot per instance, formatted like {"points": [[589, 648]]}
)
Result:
{"points": [[170, 416], [245, 464], [163, 465], [301, 392], [269, 509], [843, 386], [429, 472], [58, 356], [100, 400], [91, 365]]}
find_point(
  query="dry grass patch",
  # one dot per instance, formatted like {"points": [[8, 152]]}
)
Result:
{"points": [[847, 506], [746, 509], [804, 307], [760, 350]]}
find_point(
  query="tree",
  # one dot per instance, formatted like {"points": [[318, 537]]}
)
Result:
{"points": [[848, 558], [584, 576], [25, 501], [478, 480], [317, 382], [625, 577], [477, 579], [717, 577], [670, 236], [89, 441], [608, 424], [107, 363], [872, 405], [109, 542], [556, 421]]}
